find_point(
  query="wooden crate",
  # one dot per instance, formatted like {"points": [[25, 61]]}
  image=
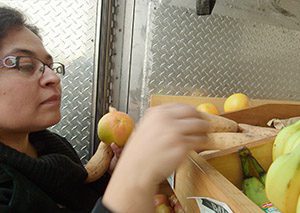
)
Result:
{"points": [[219, 177], [218, 102], [219, 174]]}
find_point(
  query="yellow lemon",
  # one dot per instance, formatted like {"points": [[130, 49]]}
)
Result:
{"points": [[208, 108], [237, 101]]}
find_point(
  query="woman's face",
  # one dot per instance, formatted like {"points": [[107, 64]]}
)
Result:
{"points": [[27, 103]]}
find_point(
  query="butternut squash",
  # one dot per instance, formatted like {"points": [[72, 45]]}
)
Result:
{"points": [[219, 123], [246, 134], [225, 140], [99, 162], [258, 130]]}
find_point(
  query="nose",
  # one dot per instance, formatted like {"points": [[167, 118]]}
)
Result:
{"points": [[49, 78]]}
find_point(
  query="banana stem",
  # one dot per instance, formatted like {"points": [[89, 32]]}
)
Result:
{"points": [[245, 163], [258, 168], [246, 153]]}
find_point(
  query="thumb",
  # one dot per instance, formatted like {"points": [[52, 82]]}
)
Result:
{"points": [[116, 149]]}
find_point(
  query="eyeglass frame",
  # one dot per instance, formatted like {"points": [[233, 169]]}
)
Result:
{"points": [[16, 59]]}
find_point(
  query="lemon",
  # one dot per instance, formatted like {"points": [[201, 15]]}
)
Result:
{"points": [[237, 101], [208, 108]]}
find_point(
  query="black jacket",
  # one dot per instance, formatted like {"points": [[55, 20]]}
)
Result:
{"points": [[53, 182], [18, 194]]}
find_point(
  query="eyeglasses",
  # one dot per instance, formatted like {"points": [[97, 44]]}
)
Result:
{"points": [[29, 65]]}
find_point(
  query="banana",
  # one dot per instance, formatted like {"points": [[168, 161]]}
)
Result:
{"points": [[245, 152], [292, 142], [293, 192], [283, 181], [251, 186], [298, 205], [255, 191], [281, 138]]}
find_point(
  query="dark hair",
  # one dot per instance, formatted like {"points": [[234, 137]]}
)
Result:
{"points": [[11, 18]]}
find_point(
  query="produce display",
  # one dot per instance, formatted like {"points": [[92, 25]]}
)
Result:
{"points": [[234, 102], [283, 176], [253, 184], [226, 133], [219, 175], [279, 187]]}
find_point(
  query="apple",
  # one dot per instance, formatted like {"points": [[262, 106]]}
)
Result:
{"points": [[115, 127]]}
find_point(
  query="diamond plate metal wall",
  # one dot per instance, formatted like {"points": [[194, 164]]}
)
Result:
{"points": [[68, 30], [215, 56]]}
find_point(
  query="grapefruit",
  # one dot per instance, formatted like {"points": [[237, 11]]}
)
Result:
{"points": [[208, 108], [235, 102], [115, 127]]}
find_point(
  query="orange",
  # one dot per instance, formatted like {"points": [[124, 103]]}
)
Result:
{"points": [[208, 108], [235, 102]]}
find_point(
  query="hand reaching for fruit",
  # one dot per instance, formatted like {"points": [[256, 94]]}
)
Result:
{"points": [[163, 138], [159, 143]]}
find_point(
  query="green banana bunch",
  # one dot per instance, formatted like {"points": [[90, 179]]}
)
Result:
{"points": [[252, 186], [282, 138], [255, 191], [283, 182]]}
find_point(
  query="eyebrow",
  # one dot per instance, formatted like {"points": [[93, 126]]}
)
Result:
{"points": [[29, 52]]}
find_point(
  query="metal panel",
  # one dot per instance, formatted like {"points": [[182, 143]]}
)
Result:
{"points": [[103, 80], [185, 54], [68, 30]]}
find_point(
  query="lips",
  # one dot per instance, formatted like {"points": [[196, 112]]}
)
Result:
{"points": [[54, 99]]}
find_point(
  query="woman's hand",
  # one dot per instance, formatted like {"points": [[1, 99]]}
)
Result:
{"points": [[163, 139], [117, 153], [160, 142]]}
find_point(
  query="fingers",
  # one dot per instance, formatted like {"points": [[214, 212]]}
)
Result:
{"points": [[200, 145], [116, 150], [196, 143], [193, 126], [178, 110], [186, 117], [180, 123]]}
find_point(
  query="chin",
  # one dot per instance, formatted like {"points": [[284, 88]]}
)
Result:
{"points": [[51, 120]]}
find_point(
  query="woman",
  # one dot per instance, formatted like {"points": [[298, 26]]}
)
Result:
{"points": [[40, 171]]}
